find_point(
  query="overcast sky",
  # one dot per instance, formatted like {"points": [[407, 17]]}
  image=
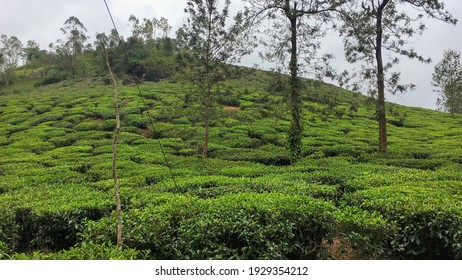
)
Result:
{"points": [[41, 21]]}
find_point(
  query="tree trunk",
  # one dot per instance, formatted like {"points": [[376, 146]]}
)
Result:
{"points": [[206, 138], [381, 82], [208, 91], [295, 134], [207, 107], [7, 77]]}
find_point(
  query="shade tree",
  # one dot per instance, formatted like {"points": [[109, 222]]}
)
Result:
{"points": [[148, 29], [11, 50], [210, 39], [290, 32], [32, 52], [75, 33], [447, 78], [375, 34]]}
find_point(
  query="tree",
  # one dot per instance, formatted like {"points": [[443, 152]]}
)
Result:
{"points": [[31, 52], [164, 27], [76, 35], [448, 79], [211, 43], [67, 50], [371, 27], [2, 62], [136, 27], [295, 29], [148, 29], [11, 52], [112, 43]]}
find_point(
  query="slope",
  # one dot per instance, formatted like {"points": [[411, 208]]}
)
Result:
{"points": [[342, 200]]}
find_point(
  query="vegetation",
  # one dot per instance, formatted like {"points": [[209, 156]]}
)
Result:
{"points": [[247, 200], [448, 79], [9, 58], [374, 28], [210, 44], [118, 202], [307, 21], [342, 199]]}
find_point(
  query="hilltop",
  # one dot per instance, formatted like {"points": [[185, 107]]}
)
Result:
{"points": [[342, 200]]}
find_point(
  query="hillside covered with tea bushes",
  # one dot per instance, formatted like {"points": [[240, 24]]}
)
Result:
{"points": [[248, 200]]}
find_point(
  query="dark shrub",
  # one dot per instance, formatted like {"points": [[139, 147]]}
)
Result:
{"points": [[152, 74], [50, 231], [53, 76]]}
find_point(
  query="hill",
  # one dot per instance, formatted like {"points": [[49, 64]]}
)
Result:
{"points": [[342, 200]]}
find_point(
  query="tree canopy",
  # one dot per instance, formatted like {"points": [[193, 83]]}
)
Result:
{"points": [[375, 33], [210, 41], [447, 77]]}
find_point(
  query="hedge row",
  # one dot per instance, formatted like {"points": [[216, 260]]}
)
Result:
{"points": [[48, 217], [429, 225], [233, 226]]}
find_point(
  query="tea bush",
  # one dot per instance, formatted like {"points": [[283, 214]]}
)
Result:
{"points": [[139, 121], [368, 233], [428, 224], [274, 157], [4, 252], [248, 199], [151, 228], [86, 251], [48, 217], [234, 226], [258, 226]]}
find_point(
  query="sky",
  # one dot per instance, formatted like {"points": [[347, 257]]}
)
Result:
{"points": [[41, 21]]}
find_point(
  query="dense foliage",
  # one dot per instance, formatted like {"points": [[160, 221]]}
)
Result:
{"points": [[247, 201], [447, 79], [376, 32]]}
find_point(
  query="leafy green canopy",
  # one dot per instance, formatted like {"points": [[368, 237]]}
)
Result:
{"points": [[448, 79]]}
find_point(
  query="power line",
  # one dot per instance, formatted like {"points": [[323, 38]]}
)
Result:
{"points": [[140, 94]]}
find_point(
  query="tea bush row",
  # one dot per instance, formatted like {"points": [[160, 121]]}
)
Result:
{"points": [[233, 226], [429, 224], [48, 217]]}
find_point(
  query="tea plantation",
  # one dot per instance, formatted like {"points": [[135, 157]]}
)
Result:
{"points": [[342, 200]]}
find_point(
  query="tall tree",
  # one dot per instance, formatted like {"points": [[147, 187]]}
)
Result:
{"points": [[148, 29], [164, 27], [211, 42], [31, 52], [376, 29], [67, 50], [75, 32], [137, 28], [295, 29], [448, 79], [11, 51]]}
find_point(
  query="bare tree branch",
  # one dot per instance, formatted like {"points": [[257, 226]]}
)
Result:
{"points": [[114, 154]]}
